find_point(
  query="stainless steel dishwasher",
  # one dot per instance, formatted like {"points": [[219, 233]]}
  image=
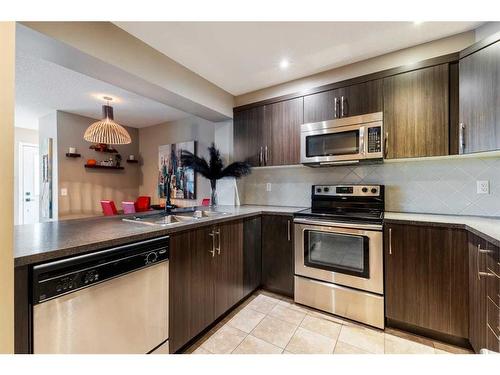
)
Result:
{"points": [[111, 301]]}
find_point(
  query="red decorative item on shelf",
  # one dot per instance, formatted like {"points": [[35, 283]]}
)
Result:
{"points": [[91, 162]]}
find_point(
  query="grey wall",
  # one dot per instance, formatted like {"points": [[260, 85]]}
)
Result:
{"points": [[87, 187], [189, 129], [441, 186]]}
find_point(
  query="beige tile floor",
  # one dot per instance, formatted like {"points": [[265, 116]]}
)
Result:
{"points": [[270, 324]]}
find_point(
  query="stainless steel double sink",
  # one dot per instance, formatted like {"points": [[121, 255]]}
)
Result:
{"points": [[174, 218]]}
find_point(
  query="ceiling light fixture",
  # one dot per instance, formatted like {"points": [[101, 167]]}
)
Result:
{"points": [[284, 64], [107, 131]]}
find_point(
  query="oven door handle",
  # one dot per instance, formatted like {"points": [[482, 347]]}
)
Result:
{"points": [[337, 224]]}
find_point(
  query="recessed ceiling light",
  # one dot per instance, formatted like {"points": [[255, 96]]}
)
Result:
{"points": [[284, 64]]}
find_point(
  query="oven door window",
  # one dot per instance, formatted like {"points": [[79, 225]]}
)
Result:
{"points": [[336, 252], [331, 144]]}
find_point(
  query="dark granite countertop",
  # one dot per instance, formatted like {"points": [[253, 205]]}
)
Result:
{"points": [[485, 227], [36, 243]]}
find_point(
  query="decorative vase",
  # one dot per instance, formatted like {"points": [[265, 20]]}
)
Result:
{"points": [[213, 197]]}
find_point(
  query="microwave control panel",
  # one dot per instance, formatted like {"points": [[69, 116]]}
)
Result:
{"points": [[375, 139]]}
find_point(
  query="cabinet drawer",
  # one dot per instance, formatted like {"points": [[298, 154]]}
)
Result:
{"points": [[493, 326]]}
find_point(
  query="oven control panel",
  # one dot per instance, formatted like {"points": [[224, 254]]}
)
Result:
{"points": [[347, 190]]}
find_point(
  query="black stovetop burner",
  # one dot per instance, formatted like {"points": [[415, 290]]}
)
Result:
{"points": [[346, 203]]}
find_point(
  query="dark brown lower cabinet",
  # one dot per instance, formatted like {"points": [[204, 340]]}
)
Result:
{"points": [[191, 275], [206, 278], [228, 266], [484, 299], [252, 255], [426, 280], [277, 253]]}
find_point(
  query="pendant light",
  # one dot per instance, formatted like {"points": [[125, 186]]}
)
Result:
{"points": [[107, 131]]}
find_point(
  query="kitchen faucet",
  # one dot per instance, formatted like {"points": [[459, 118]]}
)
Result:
{"points": [[167, 189]]}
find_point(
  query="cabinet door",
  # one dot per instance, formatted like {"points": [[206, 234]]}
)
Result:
{"points": [[252, 255], [228, 266], [191, 305], [283, 122], [416, 113], [277, 253], [426, 278], [358, 99], [250, 135], [477, 293], [480, 99]]}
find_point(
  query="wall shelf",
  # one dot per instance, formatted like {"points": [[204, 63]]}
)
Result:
{"points": [[132, 161], [71, 155], [102, 167]]}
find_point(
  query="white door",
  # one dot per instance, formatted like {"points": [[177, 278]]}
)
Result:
{"points": [[29, 178]]}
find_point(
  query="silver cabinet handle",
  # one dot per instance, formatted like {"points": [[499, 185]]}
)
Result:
{"points": [[461, 138], [217, 232], [386, 141], [390, 241], [289, 234], [343, 106], [266, 156], [479, 272], [261, 156], [212, 234], [335, 106]]}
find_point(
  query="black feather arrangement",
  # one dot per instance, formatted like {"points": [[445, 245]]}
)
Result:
{"points": [[214, 169]]}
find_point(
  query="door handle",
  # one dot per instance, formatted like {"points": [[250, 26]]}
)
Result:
{"points": [[212, 234], [217, 233], [289, 234], [390, 241], [261, 156], [461, 138], [265, 156], [335, 106]]}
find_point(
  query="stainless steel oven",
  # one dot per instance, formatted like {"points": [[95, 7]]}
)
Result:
{"points": [[341, 253], [342, 141]]}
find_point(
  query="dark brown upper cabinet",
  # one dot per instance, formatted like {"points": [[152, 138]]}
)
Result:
{"points": [[250, 136], [479, 103], [283, 119], [277, 254], [270, 134], [352, 100], [426, 279], [416, 113]]}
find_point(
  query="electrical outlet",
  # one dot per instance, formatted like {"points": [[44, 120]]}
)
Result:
{"points": [[483, 187], [64, 192], [268, 186]]}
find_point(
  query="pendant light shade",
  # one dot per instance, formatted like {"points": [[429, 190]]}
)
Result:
{"points": [[107, 131]]}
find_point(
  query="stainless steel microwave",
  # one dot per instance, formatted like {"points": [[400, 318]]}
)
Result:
{"points": [[342, 141]]}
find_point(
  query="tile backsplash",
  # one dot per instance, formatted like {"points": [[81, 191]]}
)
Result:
{"points": [[441, 186]]}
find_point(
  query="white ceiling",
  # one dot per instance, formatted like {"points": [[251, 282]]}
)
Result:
{"points": [[43, 87], [241, 57]]}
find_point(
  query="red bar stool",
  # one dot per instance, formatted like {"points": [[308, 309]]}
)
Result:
{"points": [[108, 208]]}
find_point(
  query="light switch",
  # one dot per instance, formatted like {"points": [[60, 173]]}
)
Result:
{"points": [[64, 192], [483, 187]]}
